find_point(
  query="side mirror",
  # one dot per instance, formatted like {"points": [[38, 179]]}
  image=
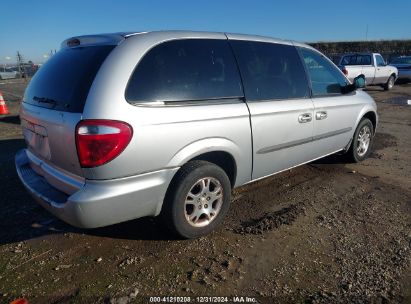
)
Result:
{"points": [[359, 82]]}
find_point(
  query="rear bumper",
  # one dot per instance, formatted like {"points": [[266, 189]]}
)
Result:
{"points": [[98, 202]]}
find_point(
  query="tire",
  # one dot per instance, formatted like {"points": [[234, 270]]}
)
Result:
{"points": [[390, 83], [187, 210], [356, 153]]}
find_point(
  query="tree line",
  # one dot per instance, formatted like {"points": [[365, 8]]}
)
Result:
{"points": [[389, 49]]}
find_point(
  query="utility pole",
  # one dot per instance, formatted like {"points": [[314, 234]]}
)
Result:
{"points": [[20, 61]]}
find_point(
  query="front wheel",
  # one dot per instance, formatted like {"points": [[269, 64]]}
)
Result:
{"points": [[362, 141], [198, 199], [390, 83]]}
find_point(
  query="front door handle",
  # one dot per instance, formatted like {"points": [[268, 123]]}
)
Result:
{"points": [[306, 117], [321, 115]]}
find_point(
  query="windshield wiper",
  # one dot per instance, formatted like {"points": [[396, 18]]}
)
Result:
{"points": [[45, 100]]}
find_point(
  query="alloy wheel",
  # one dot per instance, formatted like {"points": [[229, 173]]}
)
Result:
{"points": [[363, 141], [203, 202]]}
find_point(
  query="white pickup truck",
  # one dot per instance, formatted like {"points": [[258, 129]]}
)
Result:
{"points": [[371, 67]]}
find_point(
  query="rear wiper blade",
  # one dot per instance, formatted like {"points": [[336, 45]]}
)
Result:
{"points": [[45, 100]]}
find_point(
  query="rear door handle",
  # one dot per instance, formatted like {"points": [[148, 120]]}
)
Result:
{"points": [[306, 117], [321, 115]]}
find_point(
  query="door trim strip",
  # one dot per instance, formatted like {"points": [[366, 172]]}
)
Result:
{"points": [[302, 141], [332, 133]]}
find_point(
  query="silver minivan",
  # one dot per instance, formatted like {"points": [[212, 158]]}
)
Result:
{"points": [[128, 125]]}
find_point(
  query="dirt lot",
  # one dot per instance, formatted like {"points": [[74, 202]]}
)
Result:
{"points": [[327, 232]]}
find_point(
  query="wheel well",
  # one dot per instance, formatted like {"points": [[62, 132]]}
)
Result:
{"points": [[371, 116], [222, 159]]}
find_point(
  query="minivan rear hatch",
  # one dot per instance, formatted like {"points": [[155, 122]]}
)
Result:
{"points": [[54, 101]]}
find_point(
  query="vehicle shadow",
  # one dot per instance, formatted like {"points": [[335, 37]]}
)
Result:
{"points": [[373, 89], [402, 82], [147, 228], [14, 119], [333, 159], [21, 218]]}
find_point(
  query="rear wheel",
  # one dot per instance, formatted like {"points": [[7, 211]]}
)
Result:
{"points": [[198, 199], [362, 141], [390, 83]]}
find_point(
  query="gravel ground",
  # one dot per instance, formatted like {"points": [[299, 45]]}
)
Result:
{"points": [[326, 232]]}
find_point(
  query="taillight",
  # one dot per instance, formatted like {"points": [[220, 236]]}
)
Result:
{"points": [[344, 70], [100, 141]]}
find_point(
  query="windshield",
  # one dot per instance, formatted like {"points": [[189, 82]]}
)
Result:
{"points": [[64, 81]]}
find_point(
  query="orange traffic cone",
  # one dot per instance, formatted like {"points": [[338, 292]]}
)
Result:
{"points": [[3, 106], [20, 301]]}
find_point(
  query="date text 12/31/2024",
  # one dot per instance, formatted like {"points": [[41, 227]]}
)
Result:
{"points": [[203, 299]]}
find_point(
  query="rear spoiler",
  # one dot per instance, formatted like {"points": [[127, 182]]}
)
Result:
{"points": [[89, 40], [101, 39]]}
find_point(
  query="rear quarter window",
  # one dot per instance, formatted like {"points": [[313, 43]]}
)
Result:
{"points": [[64, 81], [185, 70]]}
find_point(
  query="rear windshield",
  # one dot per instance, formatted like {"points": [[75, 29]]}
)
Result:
{"points": [[356, 60], [64, 81]]}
